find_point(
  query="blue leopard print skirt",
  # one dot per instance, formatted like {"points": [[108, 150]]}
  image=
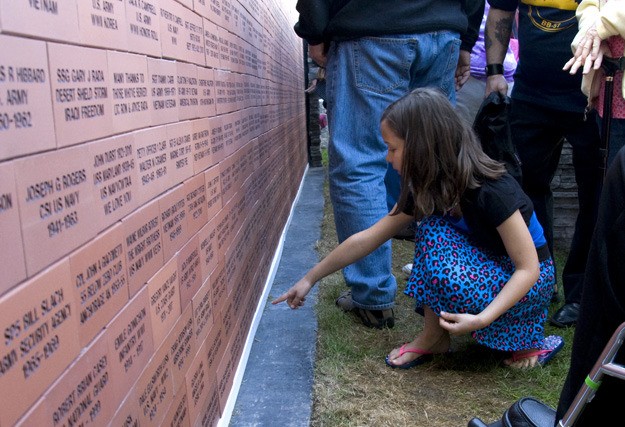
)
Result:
{"points": [[451, 274]]}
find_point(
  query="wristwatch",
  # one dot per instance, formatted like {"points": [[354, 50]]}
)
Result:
{"points": [[494, 69]]}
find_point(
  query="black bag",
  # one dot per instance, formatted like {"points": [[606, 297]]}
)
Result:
{"points": [[610, 66], [493, 129]]}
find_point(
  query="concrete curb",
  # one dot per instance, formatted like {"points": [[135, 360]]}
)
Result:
{"points": [[277, 384]]}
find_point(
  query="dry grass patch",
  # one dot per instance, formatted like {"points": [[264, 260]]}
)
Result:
{"points": [[354, 387]]}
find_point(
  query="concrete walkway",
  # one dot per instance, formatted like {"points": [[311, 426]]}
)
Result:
{"points": [[276, 389]]}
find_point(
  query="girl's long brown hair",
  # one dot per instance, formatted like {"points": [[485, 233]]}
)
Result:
{"points": [[442, 154]]}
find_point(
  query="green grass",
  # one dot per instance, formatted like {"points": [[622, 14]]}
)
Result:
{"points": [[353, 386]]}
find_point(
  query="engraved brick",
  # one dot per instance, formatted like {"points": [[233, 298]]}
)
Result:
{"points": [[195, 189], [206, 80], [224, 97], [114, 178], [100, 282], [217, 139], [202, 305], [80, 93], [211, 44], [225, 377], [180, 151], [209, 256], [194, 38], [155, 175], [219, 286], [12, 249], [143, 26], [163, 77], [189, 270], [172, 30], [198, 381], [81, 395], [174, 226], [57, 210], [155, 388], [182, 346], [188, 91], [129, 338], [143, 245], [164, 299], [178, 413], [40, 322], [26, 119], [210, 412], [201, 138], [213, 191], [102, 23], [130, 87], [53, 20], [128, 412]]}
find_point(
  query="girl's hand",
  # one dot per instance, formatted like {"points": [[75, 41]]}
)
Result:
{"points": [[460, 323], [295, 296]]}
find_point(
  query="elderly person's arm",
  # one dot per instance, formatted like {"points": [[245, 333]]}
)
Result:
{"points": [[596, 24]]}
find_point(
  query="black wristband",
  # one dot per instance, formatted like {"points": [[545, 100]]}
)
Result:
{"points": [[494, 69]]}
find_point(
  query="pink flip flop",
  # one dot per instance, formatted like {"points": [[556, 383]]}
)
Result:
{"points": [[551, 346], [425, 356]]}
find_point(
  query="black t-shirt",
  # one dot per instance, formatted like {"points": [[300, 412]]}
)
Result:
{"points": [[546, 30], [485, 208]]}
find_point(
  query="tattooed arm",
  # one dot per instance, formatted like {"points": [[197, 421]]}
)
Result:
{"points": [[496, 40]]}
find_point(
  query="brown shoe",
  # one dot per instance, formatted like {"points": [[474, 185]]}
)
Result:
{"points": [[370, 318], [345, 302], [378, 319]]}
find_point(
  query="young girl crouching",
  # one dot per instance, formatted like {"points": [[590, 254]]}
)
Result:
{"points": [[481, 261]]}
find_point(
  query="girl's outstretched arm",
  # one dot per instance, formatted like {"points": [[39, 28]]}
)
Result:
{"points": [[520, 247], [354, 248]]}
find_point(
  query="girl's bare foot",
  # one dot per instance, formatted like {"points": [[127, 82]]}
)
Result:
{"points": [[523, 359]]}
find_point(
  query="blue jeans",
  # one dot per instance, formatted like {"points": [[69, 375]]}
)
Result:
{"points": [[363, 77]]}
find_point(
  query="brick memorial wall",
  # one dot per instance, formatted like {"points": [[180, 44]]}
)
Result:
{"points": [[150, 153]]}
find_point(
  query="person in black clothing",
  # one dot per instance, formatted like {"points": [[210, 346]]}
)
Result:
{"points": [[374, 52], [547, 108]]}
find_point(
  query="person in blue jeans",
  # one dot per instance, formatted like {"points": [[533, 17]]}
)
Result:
{"points": [[374, 52]]}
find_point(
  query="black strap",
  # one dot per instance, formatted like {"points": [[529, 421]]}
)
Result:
{"points": [[610, 67]]}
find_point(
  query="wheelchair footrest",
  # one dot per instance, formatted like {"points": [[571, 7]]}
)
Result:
{"points": [[529, 412]]}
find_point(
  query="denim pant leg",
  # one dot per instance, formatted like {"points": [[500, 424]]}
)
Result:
{"points": [[363, 77]]}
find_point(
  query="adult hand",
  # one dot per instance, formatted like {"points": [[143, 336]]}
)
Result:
{"points": [[496, 83], [589, 53], [459, 323], [317, 53], [296, 296], [463, 69]]}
